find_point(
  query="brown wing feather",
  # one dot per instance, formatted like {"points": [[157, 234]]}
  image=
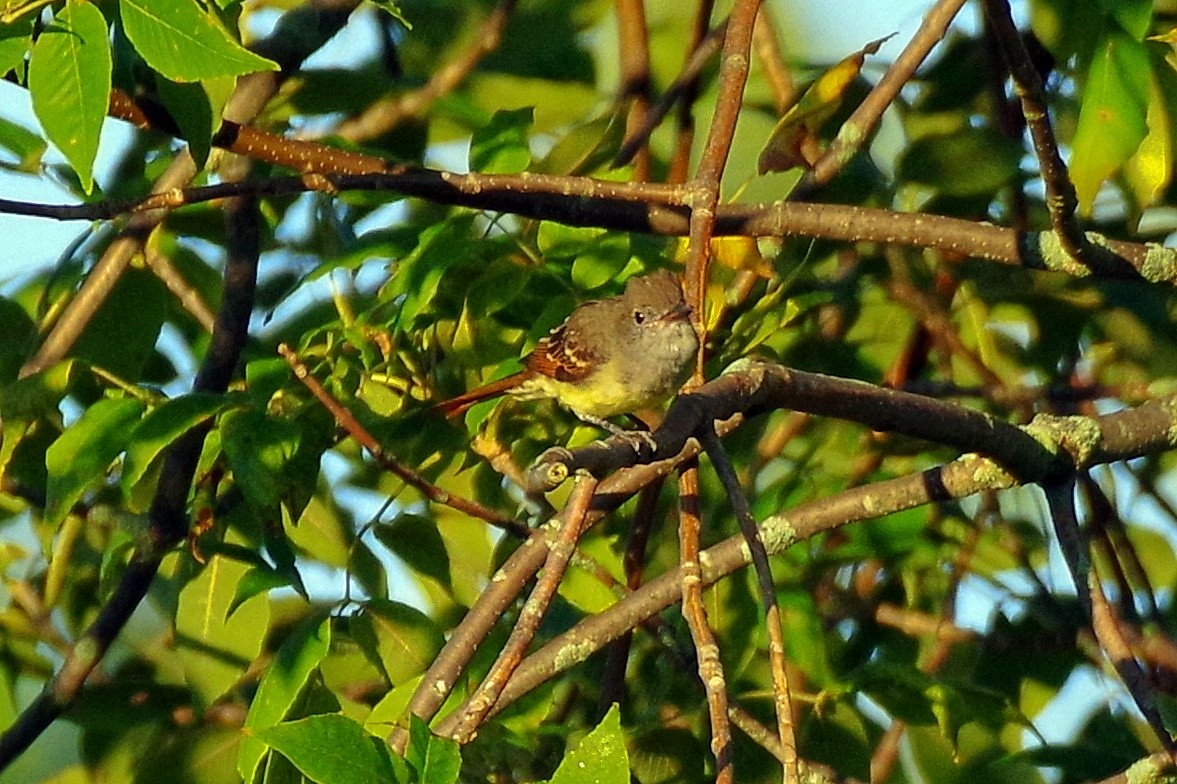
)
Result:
{"points": [[563, 354]]}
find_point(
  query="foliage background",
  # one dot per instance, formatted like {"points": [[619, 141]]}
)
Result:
{"points": [[291, 592]]}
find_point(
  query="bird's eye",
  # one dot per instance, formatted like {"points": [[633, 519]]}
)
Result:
{"points": [[638, 317]]}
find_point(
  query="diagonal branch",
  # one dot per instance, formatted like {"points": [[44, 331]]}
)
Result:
{"points": [[168, 515], [1060, 192], [857, 129], [782, 693]]}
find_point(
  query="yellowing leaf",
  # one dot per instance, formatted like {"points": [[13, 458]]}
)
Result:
{"points": [[1149, 170], [794, 140], [740, 253]]}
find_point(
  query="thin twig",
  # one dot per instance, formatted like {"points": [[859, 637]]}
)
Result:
{"points": [[384, 115], [695, 614], [346, 420], [772, 61], [703, 190], [684, 142], [680, 91], [636, 82], [1061, 200], [184, 292], [1060, 498], [782, 693], [633, 564], [857, 129]]}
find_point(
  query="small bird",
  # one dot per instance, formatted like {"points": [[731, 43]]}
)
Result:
{"points": [[610, 357]]}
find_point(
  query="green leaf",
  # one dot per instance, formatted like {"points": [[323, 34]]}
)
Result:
{"points": [[501, 146], [15, 39], [26, 146], [1134, 16], [403, 639], [185, 44], [69, 79], [259, 447], [257, 580], [975, 161], [122, 334], [331, 749], [416, 541], [214, 646], [436, 760], [19, 329], [588, 146], [159, 428], [281, 688], [1150, 169], [189, 105], [600, 758], [83, 453], [601, 261], [392, 8], [1112, 120]]}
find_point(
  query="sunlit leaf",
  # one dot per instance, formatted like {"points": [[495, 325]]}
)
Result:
{"points": [[600, 758], [280, 688], [1112, 119], [436, 760], [69, 79], [330, 749], [184, 43], [160, 427], [501, 146], [404, 639], [215, 646], [259, 448], [84, 452]]}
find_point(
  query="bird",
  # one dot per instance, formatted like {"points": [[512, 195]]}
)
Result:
{"points": [[610, 356]]}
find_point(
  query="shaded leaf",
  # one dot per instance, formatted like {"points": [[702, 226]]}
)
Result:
{"points": [[975, 161], [416, 541]]}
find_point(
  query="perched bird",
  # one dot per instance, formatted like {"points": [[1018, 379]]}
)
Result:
{"points": [[610, 356]]}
